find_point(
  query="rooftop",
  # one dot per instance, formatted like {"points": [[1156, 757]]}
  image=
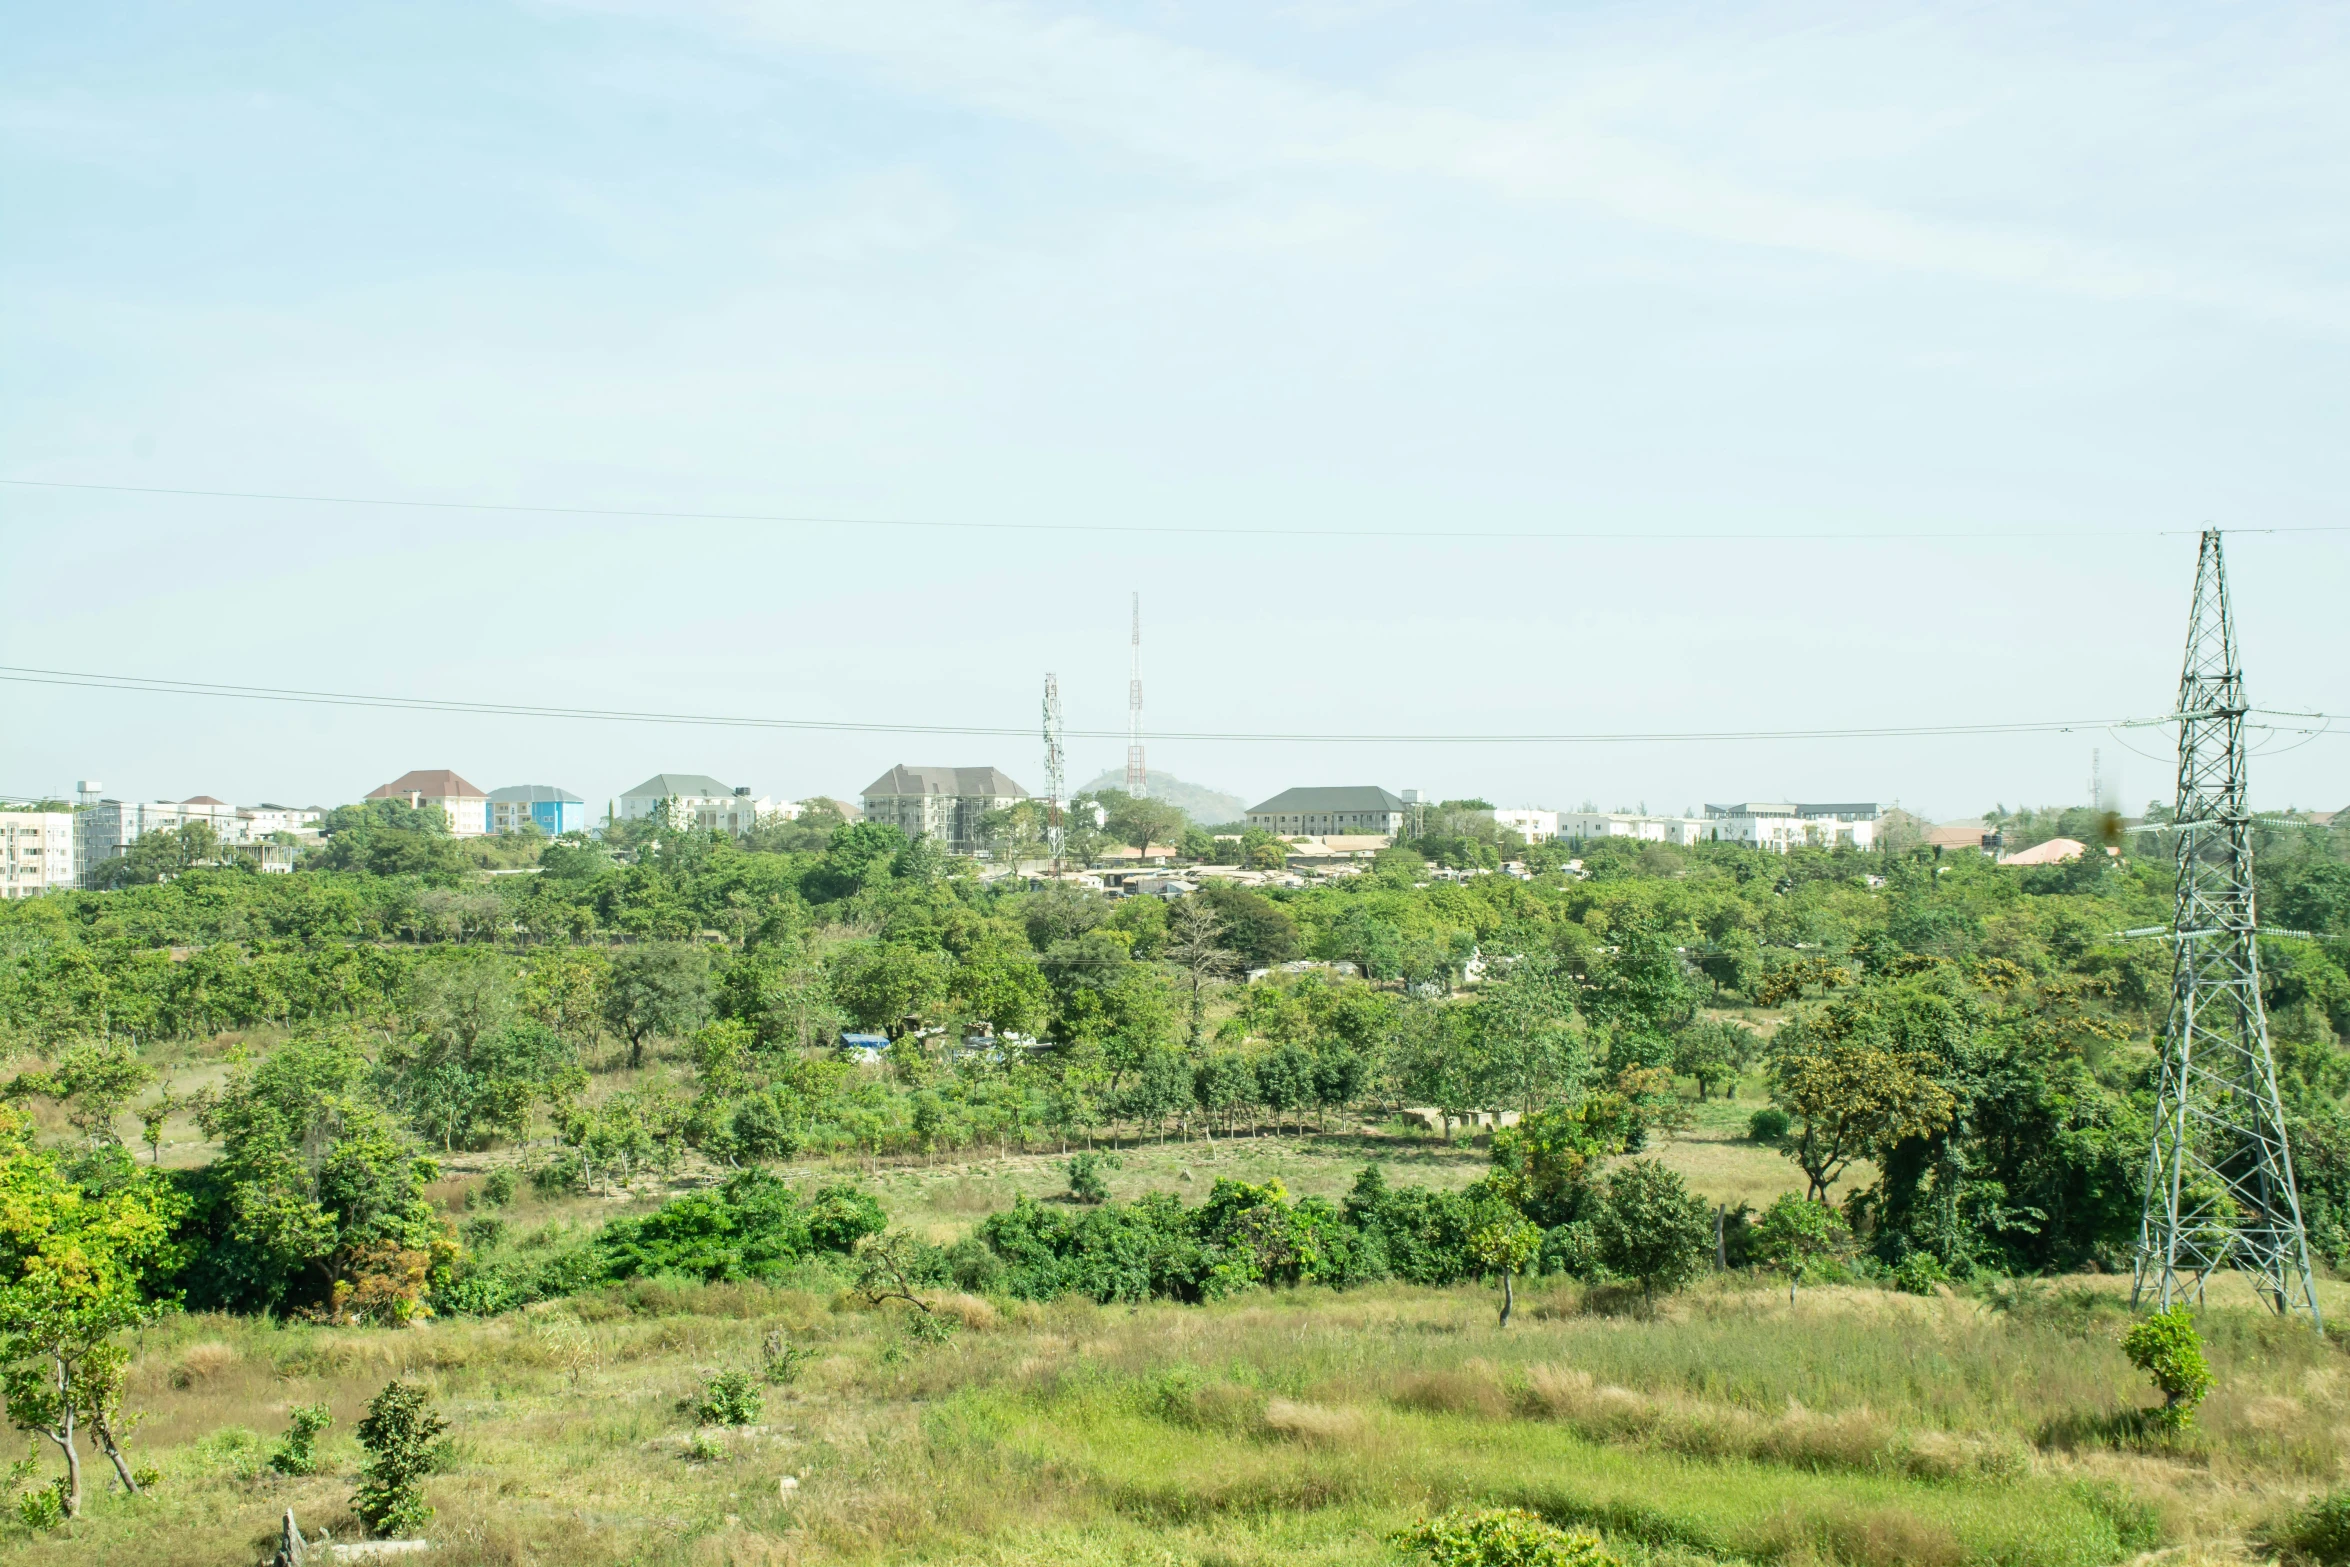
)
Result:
{"points": [[517, 794], [989, 782], [1329, 799], [679, 786], [433, 783]]}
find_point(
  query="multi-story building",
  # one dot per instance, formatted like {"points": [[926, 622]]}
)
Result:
{"points": [[1532, 825], [701, 801], [264, 822], [36, 852], [1344, 809], [549, 809], [1784, 824], [467, 808], [102, 831], [1630, 824], [943, 804]]}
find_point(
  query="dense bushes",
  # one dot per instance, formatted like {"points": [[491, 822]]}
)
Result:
{"points": [[752, 1227]]}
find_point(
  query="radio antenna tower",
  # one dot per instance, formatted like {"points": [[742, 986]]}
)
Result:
{"points": [[2219, 1178], [1138, 778], [1054, 832]]}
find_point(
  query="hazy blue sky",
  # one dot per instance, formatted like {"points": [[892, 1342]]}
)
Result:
{"points": [[2026, 273]]}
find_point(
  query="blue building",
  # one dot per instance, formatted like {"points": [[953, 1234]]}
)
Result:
{"points": [[543, 806]]}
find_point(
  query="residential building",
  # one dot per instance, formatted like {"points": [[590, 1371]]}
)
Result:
{"points": [[1781, 825], [701, 801], [263, 822], [944, 804], [1972, 833], [36, 852], [102, 831], [1532, 825], [1349, 809], [1630, 824], [549, 809], [467, 808], [2055, 851]]}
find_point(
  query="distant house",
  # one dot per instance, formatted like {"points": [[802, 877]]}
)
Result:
{"points": [[943, 804], [1349, 809], [36, 852], [1784, 825], [701, 801], [467, 808], [549, 809], [1949, 836], [2056, 851], [1532, 825]]}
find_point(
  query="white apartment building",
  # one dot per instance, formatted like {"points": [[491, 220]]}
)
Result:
{"points": [[103, 831], [1631, 824], [704, 803], [1780, 825], [263, 822], [1532, 825], [945, 804], [36, 852]]}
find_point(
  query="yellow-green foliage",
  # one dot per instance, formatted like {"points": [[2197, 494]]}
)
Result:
{"points": [[1296, 1426]]}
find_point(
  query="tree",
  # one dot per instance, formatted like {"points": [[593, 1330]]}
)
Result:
{"points": [[660, 987], [314, 1177], [1853, 1096], [93, 1081], [1651, 1229], [73, 1266], [1139, 822], [1641, 986], [1532, 1054], [1195, 949], [2164, 1346], [1501, 1242], [402, 1436], [1713, 1054], [1253, 925], [1794, 1234]]}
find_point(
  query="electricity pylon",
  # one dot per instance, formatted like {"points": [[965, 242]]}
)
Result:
{"points": [[1054, 832], [2219, 1177]]}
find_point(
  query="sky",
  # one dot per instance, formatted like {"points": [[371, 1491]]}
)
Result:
{"points": [[1839, 366]]}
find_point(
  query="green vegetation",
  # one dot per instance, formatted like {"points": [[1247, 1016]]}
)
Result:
{"points": [[1115, 1252]]}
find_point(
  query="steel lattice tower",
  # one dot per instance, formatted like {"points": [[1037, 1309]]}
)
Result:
{"points": [[2219, 1177], [1054, 789], [1138, 777]]}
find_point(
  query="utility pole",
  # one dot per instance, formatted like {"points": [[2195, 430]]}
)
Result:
{"points": [[2219, 1176], [1138, 778], [1055, 834]]}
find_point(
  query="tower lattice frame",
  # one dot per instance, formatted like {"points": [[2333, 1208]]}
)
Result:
{"points": [[2219, 1174]]}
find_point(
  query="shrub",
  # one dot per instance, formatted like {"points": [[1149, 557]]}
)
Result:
{"points": [[1768, 1125], [1087, 1183], [1501, 1537], [1918, 1273], [2166, 1348], [296, 1452], [1799, 1237], [403, 1438], [482, 1231], [1651, 1229], [497, 1189], [562, 1175], [2320, 1532], [44, 1508], [731, 1398], [782, 1361], [1571, 1249]]}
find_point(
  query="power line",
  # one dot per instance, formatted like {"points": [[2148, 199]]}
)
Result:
{"points": [[1629, 535], [25, 675]]}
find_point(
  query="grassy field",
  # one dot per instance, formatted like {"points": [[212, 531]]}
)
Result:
{"points": [[1726, 1424], [1855, 1426]]}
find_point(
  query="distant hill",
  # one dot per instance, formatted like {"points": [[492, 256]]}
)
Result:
{"points": [[1205, 806]]}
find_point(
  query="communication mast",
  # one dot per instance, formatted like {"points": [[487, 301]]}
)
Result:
{"points": [[2219, 1177], [1054, 832], [1138, 778]]}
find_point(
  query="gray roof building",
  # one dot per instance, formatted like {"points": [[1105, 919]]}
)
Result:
{"points": [[1349, 798], [533, 794], [680, 786], [945, 804], [978, 782], [1339, 810]]}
